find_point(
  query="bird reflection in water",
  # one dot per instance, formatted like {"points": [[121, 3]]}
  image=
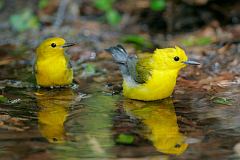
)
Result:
{"points": [[161, 125], [54, 105]]}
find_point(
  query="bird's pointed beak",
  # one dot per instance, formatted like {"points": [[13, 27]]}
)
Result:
{"points": [[68, 45], [191, 62]]}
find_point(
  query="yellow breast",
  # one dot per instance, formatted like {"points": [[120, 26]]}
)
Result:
{"points": [[159, 86], [53, 71]]}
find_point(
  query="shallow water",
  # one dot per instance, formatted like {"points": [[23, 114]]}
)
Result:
{"points": [[95, 121]]}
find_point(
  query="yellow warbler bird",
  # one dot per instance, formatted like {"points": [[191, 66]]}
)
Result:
{"points": [[52, 67], [152, 76]]}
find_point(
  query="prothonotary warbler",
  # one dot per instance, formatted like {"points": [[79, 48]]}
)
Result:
{"points": [[52, 67], [151, 76]]}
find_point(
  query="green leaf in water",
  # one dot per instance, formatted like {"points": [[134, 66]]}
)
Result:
{"points": [[125, 139], [222, 100], [157, 5], [113, 17], [138, 40], [89, 70], [43, 3], [24, 21], [3, 99]]}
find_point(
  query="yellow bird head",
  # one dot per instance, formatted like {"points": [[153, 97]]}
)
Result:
{"points": [[52, 46], [171, 58]]}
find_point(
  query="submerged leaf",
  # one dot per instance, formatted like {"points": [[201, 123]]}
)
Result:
{"points": [[88, 70], [125, 139], [3, 99], [43, 3], [222, 100]]}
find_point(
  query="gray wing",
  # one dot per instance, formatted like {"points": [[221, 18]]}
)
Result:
{"points": [[132, 62], [140, 68], [132, 66]]}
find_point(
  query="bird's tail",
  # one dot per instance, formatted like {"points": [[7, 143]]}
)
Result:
{"points": [[120, 56]]}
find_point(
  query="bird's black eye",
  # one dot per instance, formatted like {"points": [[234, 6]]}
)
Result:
{"points": [[177, 146], [53, 45], [176, 58]]}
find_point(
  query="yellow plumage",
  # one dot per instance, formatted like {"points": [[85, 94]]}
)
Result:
{"points": [[160, 86], [160, 122], [54, 106], [52, 66], [152, 76]]}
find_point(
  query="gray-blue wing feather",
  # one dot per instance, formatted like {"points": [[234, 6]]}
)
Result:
{"points": [[127, 64]]}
